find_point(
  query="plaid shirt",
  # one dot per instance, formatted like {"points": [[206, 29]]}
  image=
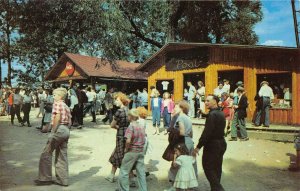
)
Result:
{"points": [[59, 107], [136, 133]]}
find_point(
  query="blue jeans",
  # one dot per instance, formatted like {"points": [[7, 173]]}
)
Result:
{"points": [[156, 116], [166, 118], [130, 159]]}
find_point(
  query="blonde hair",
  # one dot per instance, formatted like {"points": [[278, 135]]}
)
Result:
{"points": [[143, 113], [62, 92], [123, 98], [166, 93], [134, 114]]}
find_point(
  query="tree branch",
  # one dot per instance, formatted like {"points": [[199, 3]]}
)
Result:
{"points": [[137, 31]]}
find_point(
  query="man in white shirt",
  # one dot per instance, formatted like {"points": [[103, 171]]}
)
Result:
{"points": [[267, 94], [191, 98], [219, 90], [226, 86], [91, 95], [200, 97]]}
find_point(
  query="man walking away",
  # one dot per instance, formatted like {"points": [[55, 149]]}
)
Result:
{"points": [[266, 93], [212, 139]]}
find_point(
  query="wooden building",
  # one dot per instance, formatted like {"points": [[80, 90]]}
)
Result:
{"points": [[76, 68], [176, 63]]}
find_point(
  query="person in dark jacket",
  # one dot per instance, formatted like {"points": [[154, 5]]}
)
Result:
{"points": [[82, 99], [213, 143], [258, 105], [240, 114]]}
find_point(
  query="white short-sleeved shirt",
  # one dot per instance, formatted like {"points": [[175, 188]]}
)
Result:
{"points": [[192, 91]]}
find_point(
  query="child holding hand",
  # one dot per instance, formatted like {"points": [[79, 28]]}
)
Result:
{"points": [[185, 177]]}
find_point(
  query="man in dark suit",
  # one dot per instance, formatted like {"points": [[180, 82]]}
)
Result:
{"points": [[240, 114], [213, 143]]}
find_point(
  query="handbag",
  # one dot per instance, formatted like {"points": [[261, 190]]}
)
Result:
{"points": [[169, 153], [174, 138]]}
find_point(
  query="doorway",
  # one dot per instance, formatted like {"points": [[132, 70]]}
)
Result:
{"points": [[233, 76], [194, 78]]}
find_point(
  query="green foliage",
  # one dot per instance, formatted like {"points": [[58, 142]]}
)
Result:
{"points": [[124, 30]]}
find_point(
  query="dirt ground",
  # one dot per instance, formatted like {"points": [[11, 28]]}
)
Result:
{"points": [[255, 165]]}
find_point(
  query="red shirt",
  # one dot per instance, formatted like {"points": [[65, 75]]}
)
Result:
{"points": [[60, 108]]}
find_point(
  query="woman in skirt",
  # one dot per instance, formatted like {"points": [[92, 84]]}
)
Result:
{"points": [[120, 123]]}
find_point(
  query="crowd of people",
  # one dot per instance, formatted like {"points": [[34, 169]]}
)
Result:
{"points": [[63, 109]]}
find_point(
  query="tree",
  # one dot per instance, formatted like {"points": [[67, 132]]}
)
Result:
{"points": [[215, 21], [127, 30], [8, 33]]}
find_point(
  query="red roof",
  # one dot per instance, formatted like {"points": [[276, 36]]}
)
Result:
{"points": [[99, 67]]}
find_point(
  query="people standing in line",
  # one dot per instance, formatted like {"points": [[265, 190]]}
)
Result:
{"points": [[27, 99], [200, 98], [120, 123], [219, 90], [213, 143], [144, 98], [266, 93], [185, 178], [109, 105], [156, 106], [191, 98], [90, 107], [74, 107], [58, 140], [16, 106], [42, 98], [226, 86], [134, 156], [239, 116], [227, 108], [47, 117], [167, 107]]}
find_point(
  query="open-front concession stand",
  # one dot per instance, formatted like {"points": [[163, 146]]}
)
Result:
{"points": [[76, 68], [177, 63]]}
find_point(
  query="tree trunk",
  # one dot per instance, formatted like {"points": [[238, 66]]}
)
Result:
{"points": [[8, 56]]}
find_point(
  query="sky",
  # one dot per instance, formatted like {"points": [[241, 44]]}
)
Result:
{"points": [[277, 26], [275, 29]]}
